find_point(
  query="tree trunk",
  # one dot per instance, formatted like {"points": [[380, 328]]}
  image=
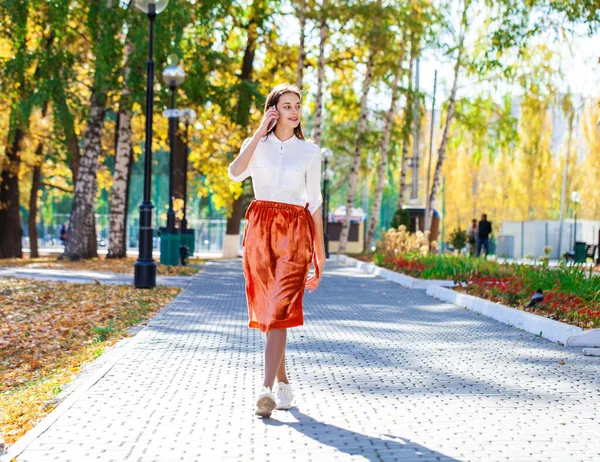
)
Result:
{"points": [[81, 235], [10, 217], [33, 234], [117, 235], [362, 125], [68, 125], [408, 119], [320, 75], [451, 104], [232, 234], [301, 50], [385, 150], [35, 186]]}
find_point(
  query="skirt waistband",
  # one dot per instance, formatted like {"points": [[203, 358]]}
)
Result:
{"points": [[277, 205]]}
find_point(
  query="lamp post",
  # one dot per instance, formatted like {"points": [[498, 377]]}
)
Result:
{"points": [[188, 115], [173, 76], [145, 266], [575, 197], [327, 176], [188, 236]]}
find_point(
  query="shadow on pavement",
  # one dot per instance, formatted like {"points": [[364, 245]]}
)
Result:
{"points": [[356, 444]]}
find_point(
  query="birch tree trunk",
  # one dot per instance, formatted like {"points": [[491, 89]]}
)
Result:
{"points": [[117, 235], [320, 75], [118, 208], [81, 235], [385, 149], [408, 118], [301, 49], [451, 105], [362, 125]]}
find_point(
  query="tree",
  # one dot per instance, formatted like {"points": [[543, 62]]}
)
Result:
{"points": [[320, 73], [245, 99], [301, 6], [123, 159], [375, 41], [390, 117], [460, 49], [104, 20]]}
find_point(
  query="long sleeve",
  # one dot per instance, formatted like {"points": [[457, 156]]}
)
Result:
{"points": [[313, 183], [246, 173]]}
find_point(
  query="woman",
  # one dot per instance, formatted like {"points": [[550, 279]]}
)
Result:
{"points": [[284, 233]]}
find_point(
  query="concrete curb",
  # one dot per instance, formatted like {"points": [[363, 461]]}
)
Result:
{"points": [[399, 278], [550, 329]]}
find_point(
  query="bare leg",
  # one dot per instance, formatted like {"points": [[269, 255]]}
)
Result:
{"points": [[274, 353], [281, 374]]}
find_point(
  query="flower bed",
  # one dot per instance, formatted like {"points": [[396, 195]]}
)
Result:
{"points": [[571, 293]]}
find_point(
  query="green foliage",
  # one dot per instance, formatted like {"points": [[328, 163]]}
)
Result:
{"points": [[401, 217], [458, 239], [102, 333]]}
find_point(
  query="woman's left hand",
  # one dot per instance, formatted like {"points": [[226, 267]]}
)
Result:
{"points": [[313, 282]]}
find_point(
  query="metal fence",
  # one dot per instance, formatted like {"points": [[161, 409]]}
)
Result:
{"points": [[209, 233]]}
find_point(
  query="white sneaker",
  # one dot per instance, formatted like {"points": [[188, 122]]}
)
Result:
{"points": [[284, 396], [265, 402]]}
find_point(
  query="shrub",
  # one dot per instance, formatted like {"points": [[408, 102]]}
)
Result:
{"points": [[401, 217], [458, 239], [399, 242]]}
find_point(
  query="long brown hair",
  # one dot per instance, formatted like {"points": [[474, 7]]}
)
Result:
{"points": [[275, 96]]}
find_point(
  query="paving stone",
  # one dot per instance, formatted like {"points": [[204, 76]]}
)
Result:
{"points": [[381, 373]]}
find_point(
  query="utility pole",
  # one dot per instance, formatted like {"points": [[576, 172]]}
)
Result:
{"points": [[564, 187], [429, 205], [414, 194]]}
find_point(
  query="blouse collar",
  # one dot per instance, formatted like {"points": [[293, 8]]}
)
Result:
{"points": [[273, 139]]}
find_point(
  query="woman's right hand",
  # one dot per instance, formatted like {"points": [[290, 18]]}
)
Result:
{"points": [[271, 115]]}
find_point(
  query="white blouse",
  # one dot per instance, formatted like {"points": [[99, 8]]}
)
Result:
{"points": [[285, 171]]}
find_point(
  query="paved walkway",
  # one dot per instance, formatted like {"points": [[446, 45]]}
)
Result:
{"points": [[82, 276], [381, 373]]}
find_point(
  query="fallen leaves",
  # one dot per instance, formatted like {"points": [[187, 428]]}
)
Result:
{"points": [[49, 330]]}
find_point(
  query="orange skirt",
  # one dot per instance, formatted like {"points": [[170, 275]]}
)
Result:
{"points": [[278, 250]]}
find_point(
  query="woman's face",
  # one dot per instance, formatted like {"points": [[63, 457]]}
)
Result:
{"points": [[289, 110]]}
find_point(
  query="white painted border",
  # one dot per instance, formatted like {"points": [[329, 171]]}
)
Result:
{"points": [[399, 278], [548, 328]]}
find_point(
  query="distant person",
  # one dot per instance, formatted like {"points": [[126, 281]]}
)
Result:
{"points": [[63, 234], [472, 237], [483, 235]]}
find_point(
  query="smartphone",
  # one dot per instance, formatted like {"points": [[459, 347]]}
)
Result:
{"points": [[272, 123]]}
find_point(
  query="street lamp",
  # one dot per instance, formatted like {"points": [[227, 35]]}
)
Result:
{"points": [[327, 176], [575, 197], [173, 76], [188, 236], [145, 266], [170, 237], [189, 116]]}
